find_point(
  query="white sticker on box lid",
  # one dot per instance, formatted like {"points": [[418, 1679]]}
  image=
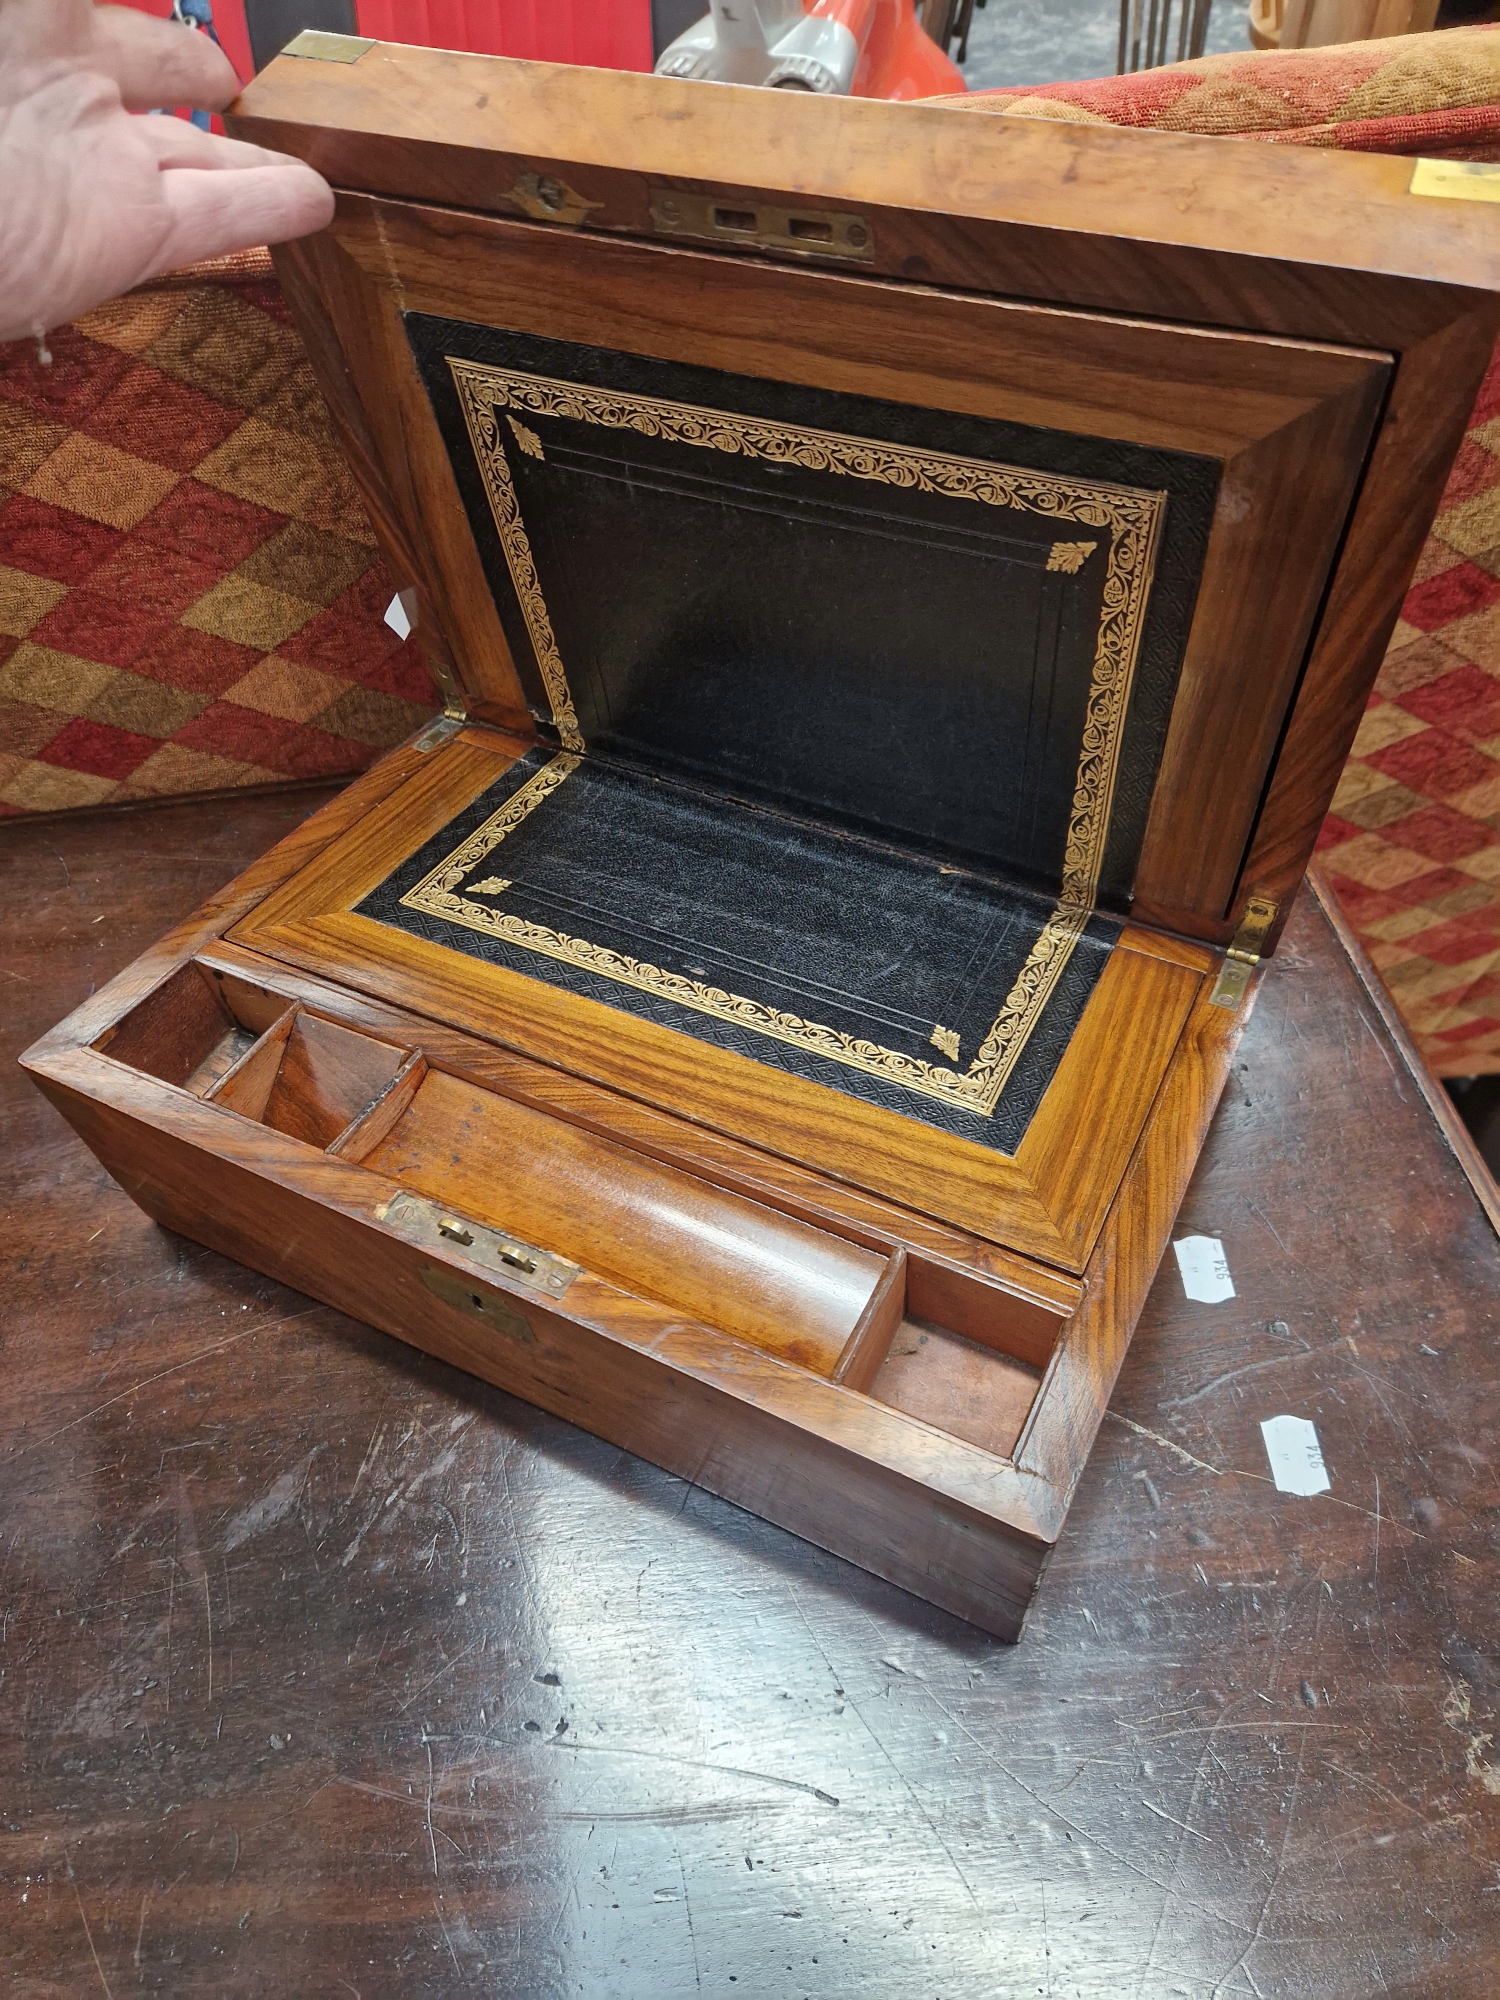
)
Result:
{"points": [[1295, 1454], [1204, 1268], [396, 615]]}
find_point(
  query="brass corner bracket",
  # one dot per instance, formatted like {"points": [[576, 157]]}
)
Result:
{"points": [[315, 45]]}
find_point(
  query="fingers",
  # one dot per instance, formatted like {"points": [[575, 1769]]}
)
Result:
{"points": [[159, 63], [44, 30], [176, 143], [215, 213]]}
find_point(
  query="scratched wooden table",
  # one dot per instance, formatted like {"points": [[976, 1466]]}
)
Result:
{"points": [[324, 1669]]}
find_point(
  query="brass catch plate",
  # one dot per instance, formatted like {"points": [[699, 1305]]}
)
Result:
{"points": [[794, 232], [437, 1228], [313, 45]]}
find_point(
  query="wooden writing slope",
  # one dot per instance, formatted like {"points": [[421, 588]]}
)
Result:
{"points": [[905, 588]]}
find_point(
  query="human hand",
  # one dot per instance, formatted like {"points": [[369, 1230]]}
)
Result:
{"points": [[94, 201]]}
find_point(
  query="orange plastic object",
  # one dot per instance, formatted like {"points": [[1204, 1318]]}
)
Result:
{"points": [[896, 58]]}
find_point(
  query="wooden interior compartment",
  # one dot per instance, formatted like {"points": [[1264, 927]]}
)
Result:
{"points": [[717, 1257], [960, 1352], [310, 1078], [183, 1032], [193, 1028], [967, 1390], [966, 1356]]}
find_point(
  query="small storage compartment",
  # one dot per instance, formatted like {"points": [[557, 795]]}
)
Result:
{"points": [[942, 1342], [182, 1032], [245, 1047], [966, 1354], [710, 1255], [310, 1078], [193, 1028], [970, 1391]]}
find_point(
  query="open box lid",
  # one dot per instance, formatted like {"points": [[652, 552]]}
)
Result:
{"points": [[1037, 497]]}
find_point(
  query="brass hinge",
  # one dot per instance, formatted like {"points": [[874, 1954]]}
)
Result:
{"points": [[441, 729], [1243, 954], [446, 683], [405, 615]]}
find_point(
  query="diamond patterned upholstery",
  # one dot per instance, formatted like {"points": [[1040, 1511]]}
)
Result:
{"points": [[190, 593], [1412, 845]]}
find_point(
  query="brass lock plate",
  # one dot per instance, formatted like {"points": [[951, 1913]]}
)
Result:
{"points": [[434, 1227], [469, 1296], [547, 199], [1456, 180]]}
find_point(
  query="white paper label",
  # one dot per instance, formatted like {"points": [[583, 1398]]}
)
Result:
{"points": [[396, 618], [1204, 1268], [1295, 1454]]}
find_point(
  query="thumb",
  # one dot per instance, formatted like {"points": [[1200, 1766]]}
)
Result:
{"points": [[159, 63]]}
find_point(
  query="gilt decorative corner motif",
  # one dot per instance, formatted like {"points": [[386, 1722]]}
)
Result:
{"points": [[527, 439], [1068, 558], [1129, 521]]}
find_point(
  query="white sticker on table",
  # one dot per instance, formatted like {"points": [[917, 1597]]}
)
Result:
{"points": [[1295, 1454], [1204, 1268]]}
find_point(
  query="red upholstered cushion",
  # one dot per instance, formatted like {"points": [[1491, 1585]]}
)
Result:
{"points": [[1433, 94]]}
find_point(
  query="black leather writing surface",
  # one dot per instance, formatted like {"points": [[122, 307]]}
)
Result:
{"points": [[768, 654], [877, 973], [855, 707], [739, 588]]}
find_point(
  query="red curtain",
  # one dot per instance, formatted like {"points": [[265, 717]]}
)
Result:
{"points": [[605, 34]]}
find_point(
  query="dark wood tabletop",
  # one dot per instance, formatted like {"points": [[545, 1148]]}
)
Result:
{"points": [[325, 1669]]}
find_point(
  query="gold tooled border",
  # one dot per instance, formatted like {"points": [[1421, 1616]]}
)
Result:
{"points": [[1131, 517], [977, 1091]]}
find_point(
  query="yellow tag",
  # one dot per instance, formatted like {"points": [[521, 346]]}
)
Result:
{"points": [[1456, 180]]}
